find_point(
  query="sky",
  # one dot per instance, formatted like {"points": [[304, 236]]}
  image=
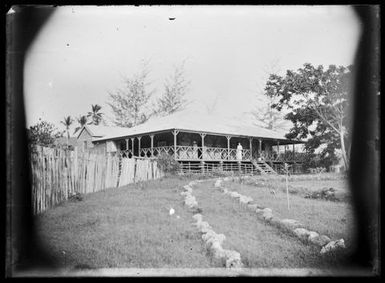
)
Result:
{"points": [[83, 52]]}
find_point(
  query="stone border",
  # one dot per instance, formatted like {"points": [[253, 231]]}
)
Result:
{"points": [[213, 240], [293, 226]]}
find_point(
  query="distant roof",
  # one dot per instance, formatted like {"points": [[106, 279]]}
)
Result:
{"points": [[194, 122], [98, 131]]}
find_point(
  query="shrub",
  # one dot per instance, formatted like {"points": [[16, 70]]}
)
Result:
{"points": [[325, 193], [76, 197], [168, 164]]}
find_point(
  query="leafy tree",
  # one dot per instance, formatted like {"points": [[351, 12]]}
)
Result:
{"points": [[43, 133], [175, 88], [168, 164], [129, 104], [95, 115], [82, 120], [269, 117], [317, 103], [264, 114]]}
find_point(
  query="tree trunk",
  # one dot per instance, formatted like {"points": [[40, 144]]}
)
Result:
{"points": [[343, 150], [68, 137]]}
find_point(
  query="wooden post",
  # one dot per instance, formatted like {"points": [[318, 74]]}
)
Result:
{"points": [[175, 133], [139, 138], [260, 147], [293, 152], [133, 146], [277, 150], [127, 146], [152, 145], [228, 147], [251, 148], [203, 144]]}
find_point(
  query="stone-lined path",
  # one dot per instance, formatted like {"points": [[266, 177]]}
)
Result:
{"points": [[237, 228], [290, 225]]}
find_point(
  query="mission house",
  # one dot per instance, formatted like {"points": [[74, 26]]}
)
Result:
{"points": [[197, 142]]}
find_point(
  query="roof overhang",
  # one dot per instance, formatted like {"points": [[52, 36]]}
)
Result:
{"points": [[280, 140]]}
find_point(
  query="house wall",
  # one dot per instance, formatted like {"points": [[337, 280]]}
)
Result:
{"points": [[85, 137], [100, 147]]}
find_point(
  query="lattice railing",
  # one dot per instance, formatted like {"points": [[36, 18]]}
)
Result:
{"points": [[283, 157], [125, 153], [188, 152], [215, 153], [163, 149], [145, 152]]}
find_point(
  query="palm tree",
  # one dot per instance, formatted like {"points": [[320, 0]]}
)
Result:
{"points": [[82, 120], [95, 115], [67, 122]]}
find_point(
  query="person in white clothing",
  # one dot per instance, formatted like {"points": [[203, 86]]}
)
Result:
{"points": [[239, 151]]}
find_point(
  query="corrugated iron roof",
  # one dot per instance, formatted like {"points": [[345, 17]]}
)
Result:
{"points": [[101, 131], [193, 122]]}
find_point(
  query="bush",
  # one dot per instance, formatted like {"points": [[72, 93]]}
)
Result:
{"points": [[325, 193], [168, 164], [312, 160], [76, 197]]}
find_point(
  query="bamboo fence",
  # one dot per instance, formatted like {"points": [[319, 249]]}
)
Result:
{"points": [[58, 174]]}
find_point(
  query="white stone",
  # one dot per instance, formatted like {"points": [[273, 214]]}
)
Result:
{"points": [[198, 217], [218, 251], [191, 201], [333, 245], [233, 259], [203, 225], [218, 238], [267, 213], [208, 235], [312, 235], [235, 195], [245, 199], [188, 188], [291, 223], [302, 233]]}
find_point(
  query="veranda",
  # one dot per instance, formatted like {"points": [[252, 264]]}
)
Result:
{"points": [[188, 147]]}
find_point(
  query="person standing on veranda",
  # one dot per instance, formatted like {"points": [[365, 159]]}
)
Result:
{"points": [[239, 152]]}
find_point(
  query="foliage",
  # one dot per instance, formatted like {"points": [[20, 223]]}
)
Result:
{"points": [[43, 133], [129, 104], [95, 115], [82, 120], [264, 114], [269, 117], [67, 122], [313, 160], [168, 164], [175, 89], [317, 101], [325, 193]]}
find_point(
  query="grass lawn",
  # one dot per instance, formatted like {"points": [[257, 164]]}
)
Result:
{"points": [[305, 184], [131, 227], [334, 219], [124, 227], [259, 244]]}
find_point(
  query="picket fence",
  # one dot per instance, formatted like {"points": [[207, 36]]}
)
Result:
{"points": [[58, 174]]}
